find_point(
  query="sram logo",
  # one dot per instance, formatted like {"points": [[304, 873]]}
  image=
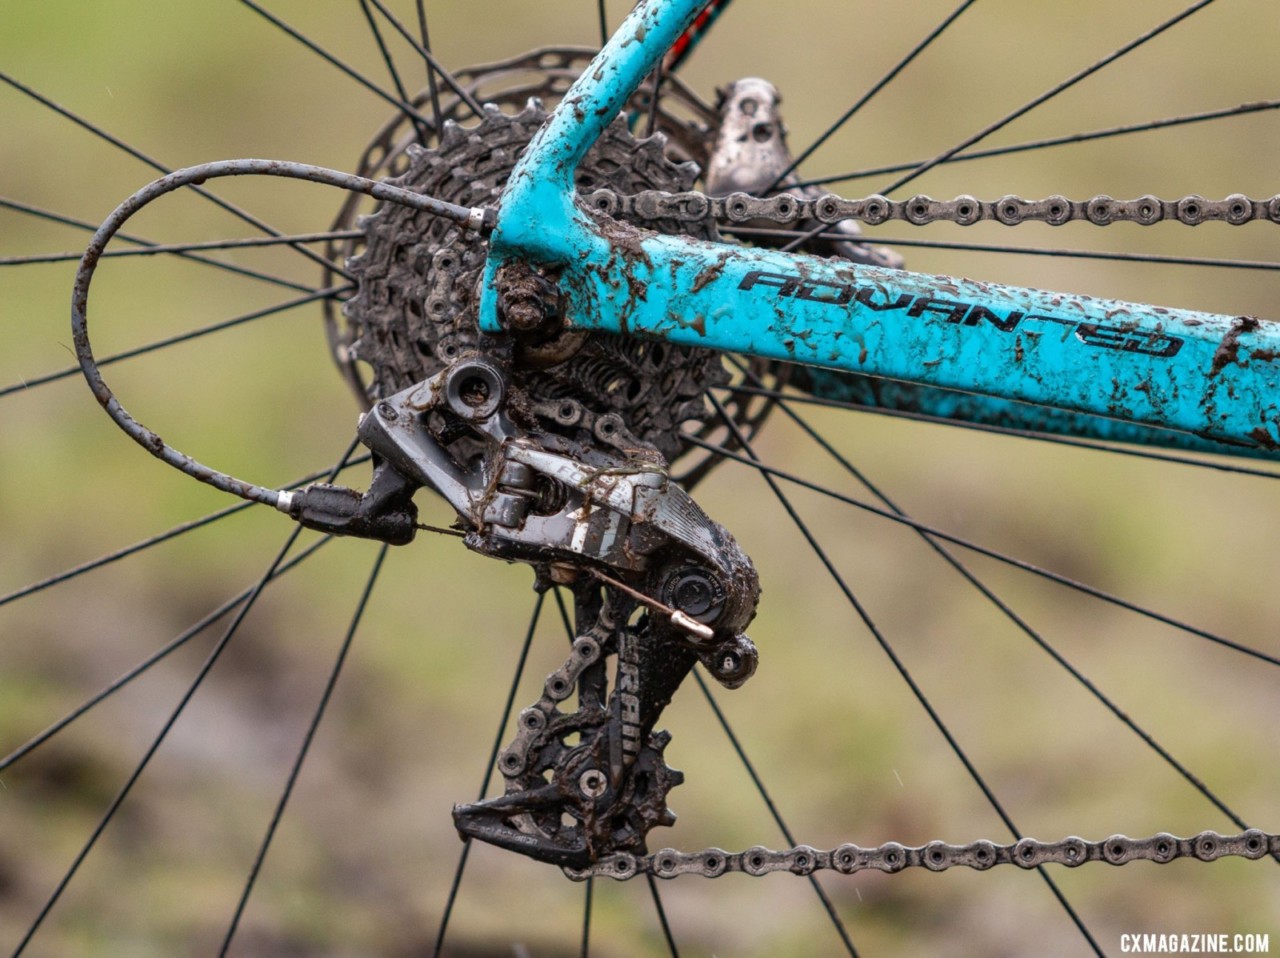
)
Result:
{"points": [[960, 313], [629, 698]]}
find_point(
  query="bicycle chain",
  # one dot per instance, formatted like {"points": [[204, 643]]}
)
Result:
{"points": [[936, 856], [788, 209], [827, 209]]}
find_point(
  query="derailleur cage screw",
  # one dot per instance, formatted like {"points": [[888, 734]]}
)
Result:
{"points": [[593, 783], [387, 411]]}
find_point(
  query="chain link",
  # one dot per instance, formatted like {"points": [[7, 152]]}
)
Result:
{"points": [[936, 856], [789, 209]]}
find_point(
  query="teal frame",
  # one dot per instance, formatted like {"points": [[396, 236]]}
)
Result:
{"points": [[984, 352]]}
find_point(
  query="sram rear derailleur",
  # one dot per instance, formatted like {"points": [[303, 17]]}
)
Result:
{"points": [[658, 586]]}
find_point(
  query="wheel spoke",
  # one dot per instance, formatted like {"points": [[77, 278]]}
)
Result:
{"points": [[1021, 624], [1026, 108], [155, 249], [165, 536], [213, 656], [403, 106], [159, 167], [433, 89], [870, 94], [662, 916], [585, 950], [172, 645], [1046, 96], [155, 744], [751, 232], [758, 782], [507, 708], [899, 666], [320, 294], [418, 124], [449, 80], [1032, 145], [316, 716], [54, 217], [1085, 588], [656, 91]]}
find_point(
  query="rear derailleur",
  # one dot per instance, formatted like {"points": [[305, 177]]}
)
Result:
{"points": [[658, 586]]}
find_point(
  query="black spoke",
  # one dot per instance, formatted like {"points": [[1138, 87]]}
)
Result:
{"points": [[85, 225], [1046, 96], [155, 744], [147, 543], [1031, 145], [1095, 446], [418, 124], [155, 657], [406, 108], [172, 720], [1021, 624], [899, 666], [1025, 566], [1027, 107], [750, 768], [585, 950], [652, 122], [870, 94], [159, 167], [316, 716], [604, 22], [489, 767], [564, 616], [662, 916], [433, 89], [318, 295], [156, 249], [449, 80], [1156, 258]]}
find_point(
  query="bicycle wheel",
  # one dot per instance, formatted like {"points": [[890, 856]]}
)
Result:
{"points": [[365, 855]]}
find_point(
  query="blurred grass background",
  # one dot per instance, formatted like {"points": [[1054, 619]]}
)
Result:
{"points": [[362, 862]]}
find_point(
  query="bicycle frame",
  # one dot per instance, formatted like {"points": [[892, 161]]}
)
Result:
{"points": [[978, 351]]}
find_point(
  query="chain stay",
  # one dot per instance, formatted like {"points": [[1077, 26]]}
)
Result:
{"points": [[936, 856], [787, 209]]}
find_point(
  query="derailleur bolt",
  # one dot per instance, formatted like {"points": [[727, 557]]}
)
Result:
{"points": [[593, 783]]}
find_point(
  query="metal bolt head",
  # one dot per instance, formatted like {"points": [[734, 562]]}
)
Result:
{"points": [[593, 783]]}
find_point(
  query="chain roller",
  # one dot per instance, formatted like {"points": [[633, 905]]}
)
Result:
{"points": [[788, 209], [892, 857]]}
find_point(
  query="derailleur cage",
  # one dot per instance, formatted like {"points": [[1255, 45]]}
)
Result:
{"points": [[617, 529]]}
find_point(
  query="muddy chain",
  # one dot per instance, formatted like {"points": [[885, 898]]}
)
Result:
{"points": [[936, 856], [786, 209]]}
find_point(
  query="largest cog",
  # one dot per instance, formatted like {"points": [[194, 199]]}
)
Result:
{"points": [[418, 276]]}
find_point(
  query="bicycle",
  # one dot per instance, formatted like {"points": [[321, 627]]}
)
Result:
{"points": [[772, 281]]}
